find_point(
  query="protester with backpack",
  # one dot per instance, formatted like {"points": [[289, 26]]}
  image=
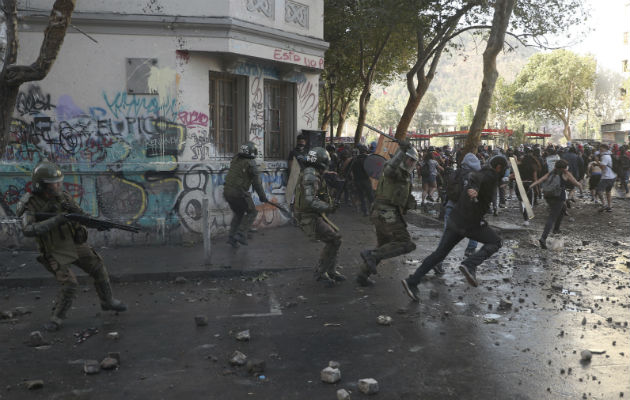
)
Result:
{"points": [[554, 185], [455, 184]]}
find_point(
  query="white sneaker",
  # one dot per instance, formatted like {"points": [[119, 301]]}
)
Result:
{"points": [[525, 223]]}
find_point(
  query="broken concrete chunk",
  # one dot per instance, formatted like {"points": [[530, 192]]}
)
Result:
{"points": [[384, 320], [109, 363], [34, 384], [585, 356], [201, 320], [330, 375], [180, 280], [255, 366], [243, 336], [238, 358], [342, 394], [334, 364], [91, 367], [368, 386], [6, 315], [113, 335], [36, 339]]}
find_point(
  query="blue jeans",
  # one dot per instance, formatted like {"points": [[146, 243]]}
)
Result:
{"points": [[472, 244]]}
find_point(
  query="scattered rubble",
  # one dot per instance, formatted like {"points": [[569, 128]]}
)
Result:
{"points": [[368, 386], [342, 394], [91, 367], [238, 358], [243, 336], [385, 320], [330, 375]]}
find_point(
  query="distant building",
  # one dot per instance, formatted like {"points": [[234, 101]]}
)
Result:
{"points": [[619, 131]]}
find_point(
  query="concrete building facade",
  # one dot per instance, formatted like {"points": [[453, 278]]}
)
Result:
{"points": [[149, 100]]}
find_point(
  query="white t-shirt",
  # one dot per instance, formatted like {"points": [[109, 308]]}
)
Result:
{"points": [[607, 173]]}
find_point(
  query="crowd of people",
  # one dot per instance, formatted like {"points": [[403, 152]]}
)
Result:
{"points": [[467, 186]]}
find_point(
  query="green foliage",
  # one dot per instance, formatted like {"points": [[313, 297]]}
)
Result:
{"points": [[553, 85]]}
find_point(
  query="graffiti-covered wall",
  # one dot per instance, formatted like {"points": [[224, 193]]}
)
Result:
{"points": [[144, 159]]}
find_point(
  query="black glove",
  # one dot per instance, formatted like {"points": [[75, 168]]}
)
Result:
{"points": [[263, 199]]}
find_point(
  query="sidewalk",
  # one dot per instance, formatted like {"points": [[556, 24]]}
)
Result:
{"points": [[273, 249]]}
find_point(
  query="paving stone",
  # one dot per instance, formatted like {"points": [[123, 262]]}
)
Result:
{"points": [[109, 363], [238, 358], [330, 375], [368, 386], [342, 394], [91, 367], [243, 336]]}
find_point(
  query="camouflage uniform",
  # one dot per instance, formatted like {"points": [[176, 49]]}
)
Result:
{"points": [[312, 200], [62, 243], [243, 173], [393, 198]]}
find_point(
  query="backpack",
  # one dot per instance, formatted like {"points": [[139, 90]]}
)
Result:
{"points": [[552, 186], [455, 185], [426, 169], [624, 162]]}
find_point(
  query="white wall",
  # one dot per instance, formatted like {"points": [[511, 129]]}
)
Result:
{"points": [[245, 10]]}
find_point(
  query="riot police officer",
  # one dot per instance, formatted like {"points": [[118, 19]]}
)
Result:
{"points": [[312, 202], [62, 242], [393, 199], [243, 174]]}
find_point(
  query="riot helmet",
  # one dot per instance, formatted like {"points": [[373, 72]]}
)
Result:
{"points": [[45, 172], [410, 159], [318, 157], [248, 150]]}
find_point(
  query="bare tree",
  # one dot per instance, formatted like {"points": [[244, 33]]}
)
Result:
{"points": [[13, 76]]}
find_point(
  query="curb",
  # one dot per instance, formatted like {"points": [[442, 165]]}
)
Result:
{"points": [[147, 276]]}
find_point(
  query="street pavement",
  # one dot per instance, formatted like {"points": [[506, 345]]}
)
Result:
{"points": [[454, 344]]}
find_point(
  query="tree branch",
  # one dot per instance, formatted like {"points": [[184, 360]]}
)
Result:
{"points": [[54, 35]]}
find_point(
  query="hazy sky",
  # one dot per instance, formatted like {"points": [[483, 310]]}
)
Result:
{"points": [[605, 39]]}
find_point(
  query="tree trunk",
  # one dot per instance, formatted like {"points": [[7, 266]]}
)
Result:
{"points": [[12, 76], [407, 116], [502, 12], [326, 113], [364, 99], [567, 130], [343, 113]]}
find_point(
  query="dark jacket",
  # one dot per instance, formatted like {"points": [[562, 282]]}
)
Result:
{"points": [[575, 164], [469, 213]]}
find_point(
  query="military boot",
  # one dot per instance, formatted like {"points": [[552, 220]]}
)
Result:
{"points": [[369, 260], [232, 242], [60, 310], [363, 277], [241, 238], [108, 302]]}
